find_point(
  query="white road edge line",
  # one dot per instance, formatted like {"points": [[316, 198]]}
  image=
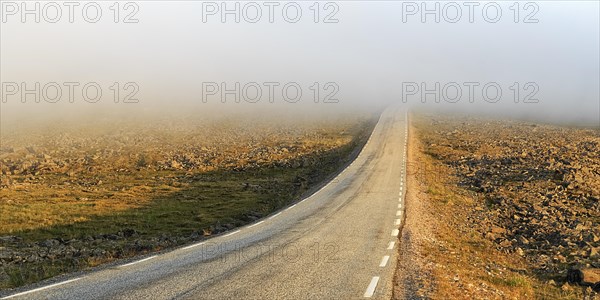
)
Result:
{"points": [[384, 261], [291, 207], [371, 288], [42, 288], [255, 224], [399, 213], [138, 261], [395, 232], [275, 215], [400, 205], [391, 245], [192, 246], [397, 222], [232, 233]]}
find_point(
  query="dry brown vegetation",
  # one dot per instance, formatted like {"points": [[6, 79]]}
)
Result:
{"points": [[510, 208], [76, 195]]}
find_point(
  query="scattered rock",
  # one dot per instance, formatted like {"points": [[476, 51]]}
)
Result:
{"points": [[49, 243], [587, 276], [539, 189]]}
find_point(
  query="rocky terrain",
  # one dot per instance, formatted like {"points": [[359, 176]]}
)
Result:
{"points": [[76, 196], [192, 146], [535, 191]]}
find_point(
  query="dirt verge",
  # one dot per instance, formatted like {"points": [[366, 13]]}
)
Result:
{"points": [[459, 244]]}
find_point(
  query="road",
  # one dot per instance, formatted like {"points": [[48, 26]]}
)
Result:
{"points": [[339, 243]]}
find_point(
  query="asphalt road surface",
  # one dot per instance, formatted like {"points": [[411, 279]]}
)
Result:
{"points": [[339, 243]]}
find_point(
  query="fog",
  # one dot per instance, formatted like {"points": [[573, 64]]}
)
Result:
{"points": [[179, 57]]}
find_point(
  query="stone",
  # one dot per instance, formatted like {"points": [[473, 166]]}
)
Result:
{"points": [[50, 243]]}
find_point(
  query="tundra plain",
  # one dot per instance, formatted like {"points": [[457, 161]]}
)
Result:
{"points": [[78, 194]]}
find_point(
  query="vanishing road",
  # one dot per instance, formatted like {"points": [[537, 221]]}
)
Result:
{"points": [[339, 243]]}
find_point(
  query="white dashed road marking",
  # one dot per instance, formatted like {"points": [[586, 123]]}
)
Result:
{"points": [[395, 232], [384, 261], [391, 245], [371, 288]]}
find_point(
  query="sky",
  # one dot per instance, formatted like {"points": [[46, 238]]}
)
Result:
{"points": [[537, 60]]}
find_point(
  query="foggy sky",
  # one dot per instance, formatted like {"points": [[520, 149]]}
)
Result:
{"points": [[368, 54]]}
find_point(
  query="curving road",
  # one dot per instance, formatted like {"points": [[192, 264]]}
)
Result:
{"points": [[339, 243]]}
